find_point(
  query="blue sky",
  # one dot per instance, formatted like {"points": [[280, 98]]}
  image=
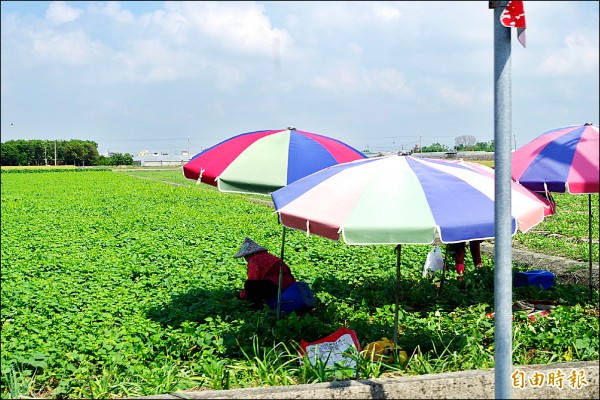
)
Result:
{"points": [[383, 76]]}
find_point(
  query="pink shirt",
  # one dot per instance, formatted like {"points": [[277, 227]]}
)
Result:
{"points": [[265, 266]]}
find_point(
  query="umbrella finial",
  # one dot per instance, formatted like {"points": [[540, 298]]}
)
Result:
{"points": [[292, 128]]}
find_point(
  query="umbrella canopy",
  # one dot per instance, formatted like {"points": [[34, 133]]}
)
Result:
{"points": [[549, 208], [402, 200], [561, 160], [263, 161]]}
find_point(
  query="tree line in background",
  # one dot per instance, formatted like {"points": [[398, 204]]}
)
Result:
{"points": [[58, 152], [85, 152], [461, 143]]}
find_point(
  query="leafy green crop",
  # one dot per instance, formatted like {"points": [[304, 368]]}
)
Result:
{"points": [[566, 233], [118, 286]]}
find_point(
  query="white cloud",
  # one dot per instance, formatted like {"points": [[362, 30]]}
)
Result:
{"points": [[59, 12], [386, 13], [151, 61], [342, 79], [454, 97], [357, 15], [579, 54], [389, 80], [227, 78], [70, 48], [171, 22], [346, 79], [240, 27], [112, 9], [154, 61], [385, 63]]}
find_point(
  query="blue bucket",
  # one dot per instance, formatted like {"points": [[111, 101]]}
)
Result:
{"points": [[297, 297], [538, 277]]}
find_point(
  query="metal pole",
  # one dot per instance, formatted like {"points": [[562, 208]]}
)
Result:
{"points": [[398, 261], [502, 208], [443, 272], [281, 263], [590, 242]]}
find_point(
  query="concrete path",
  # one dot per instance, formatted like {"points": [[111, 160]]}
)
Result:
{"points": [[577, 380]]}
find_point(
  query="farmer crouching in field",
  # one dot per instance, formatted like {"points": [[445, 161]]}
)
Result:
{"points": [[263, 273]]}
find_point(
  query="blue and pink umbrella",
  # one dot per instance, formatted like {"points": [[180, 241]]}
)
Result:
{"points": [[263, 161], [559, 161]]}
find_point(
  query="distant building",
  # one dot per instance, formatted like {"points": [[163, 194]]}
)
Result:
{"points": [[146, 158], [451, 154]]}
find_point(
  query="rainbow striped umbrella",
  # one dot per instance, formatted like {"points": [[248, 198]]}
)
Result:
{"points": [[264, 161], [402, 200]]}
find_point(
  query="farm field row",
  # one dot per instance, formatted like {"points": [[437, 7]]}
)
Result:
{"points": [[115, 286], [564, 234]]}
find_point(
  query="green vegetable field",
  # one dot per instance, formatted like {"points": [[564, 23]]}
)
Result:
{"points": [[116, 286]]}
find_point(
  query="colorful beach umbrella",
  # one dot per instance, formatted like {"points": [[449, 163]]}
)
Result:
{"points": [[549, 206], [559, 161], [263, 161], [401, 200]]}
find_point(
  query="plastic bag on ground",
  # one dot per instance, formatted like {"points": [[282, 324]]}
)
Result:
{"points": [[333, 349]]}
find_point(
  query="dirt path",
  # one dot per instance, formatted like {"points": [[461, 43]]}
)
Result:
{"points": [[567, 271]]}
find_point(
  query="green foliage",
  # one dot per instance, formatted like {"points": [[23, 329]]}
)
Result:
{"points": [[566, 233], [49, 169], [115, 159], [435, 147], [484, 146], [78, 152], [49, 152], [479, 146], [114, 286]]}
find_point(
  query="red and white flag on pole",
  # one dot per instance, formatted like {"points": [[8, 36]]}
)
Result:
{"points": [[513, 16]]}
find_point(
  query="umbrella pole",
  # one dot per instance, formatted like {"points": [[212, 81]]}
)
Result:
{"points": [[280, 274], [590, 243], [398, 258], [443, 273]]}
